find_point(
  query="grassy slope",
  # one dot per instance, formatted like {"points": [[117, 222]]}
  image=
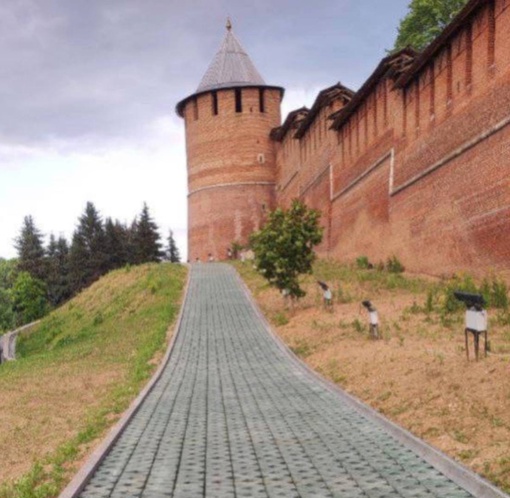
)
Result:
{"points": [[418, 375], [78, 371]]}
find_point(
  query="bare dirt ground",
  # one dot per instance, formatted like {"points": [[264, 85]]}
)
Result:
{"points": [[417, 375], [28, 408]]}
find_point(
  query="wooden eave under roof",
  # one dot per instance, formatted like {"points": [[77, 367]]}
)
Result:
{"points": [[390, 66], [323, 99], [278, 133], [442, 40]]}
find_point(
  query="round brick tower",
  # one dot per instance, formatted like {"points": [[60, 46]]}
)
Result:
{"points": [[230, 157]]}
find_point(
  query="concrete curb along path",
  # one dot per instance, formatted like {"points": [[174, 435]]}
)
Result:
{"points": [[235, 414]]}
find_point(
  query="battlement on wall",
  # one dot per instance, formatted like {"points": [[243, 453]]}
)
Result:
{"points": [[416, 163]]}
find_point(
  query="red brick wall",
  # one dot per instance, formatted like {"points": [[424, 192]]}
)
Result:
{"points": [[421, 172], [231, 168], [222, 215]]}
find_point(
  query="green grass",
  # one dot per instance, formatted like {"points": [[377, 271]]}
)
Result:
{"points": [[116, 327], [303, 349], [351, 277]]}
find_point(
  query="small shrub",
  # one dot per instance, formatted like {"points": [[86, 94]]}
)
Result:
{"points": [[236, 248], [384, 396], [415, 309], [446, 320], [499, 294], [430, 300], [450, 302], [362, 263], [503, 318], [467, 455], [357, 325], [98, 319], [280, 319], [393, 265], [459, 436], [302, 349], [440, 357]]}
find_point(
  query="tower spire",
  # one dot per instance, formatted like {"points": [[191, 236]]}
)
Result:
{"points": [[231, 66]]}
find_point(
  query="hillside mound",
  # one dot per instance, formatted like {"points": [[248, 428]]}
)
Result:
{"points": [[78, 370]]}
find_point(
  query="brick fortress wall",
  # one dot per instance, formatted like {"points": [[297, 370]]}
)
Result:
{"points": [[231, 166], [417, 162]]}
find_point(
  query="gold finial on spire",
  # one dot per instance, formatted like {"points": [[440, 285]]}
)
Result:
{"points": [[229, 24]]}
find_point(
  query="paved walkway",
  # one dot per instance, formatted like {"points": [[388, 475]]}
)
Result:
{"points": [[234, 416]]}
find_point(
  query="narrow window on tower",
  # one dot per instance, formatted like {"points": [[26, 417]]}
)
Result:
{"points": [[214, 103], [239, 100], [262, 104], [195, 109]]}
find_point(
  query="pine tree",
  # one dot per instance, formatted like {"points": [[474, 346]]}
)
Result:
{"points": [[147, 247], [79, 272], [58, 270], [117, 241], [87, 258], [172, 251], [29, 245]]}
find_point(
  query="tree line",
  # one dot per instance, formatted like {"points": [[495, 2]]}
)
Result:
{"points": [[43, 277]]}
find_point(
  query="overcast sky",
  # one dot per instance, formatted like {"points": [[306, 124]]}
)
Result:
{"points": [[88, 90]]}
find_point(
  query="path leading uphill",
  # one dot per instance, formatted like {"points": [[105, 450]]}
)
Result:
{"points": [[235, 415]]}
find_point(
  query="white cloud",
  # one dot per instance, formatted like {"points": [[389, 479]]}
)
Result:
{"points": [[296, 97], [53, 184], [88, 91]]}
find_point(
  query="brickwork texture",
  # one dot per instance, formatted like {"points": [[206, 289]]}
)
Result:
{"points": [[415, 164]]}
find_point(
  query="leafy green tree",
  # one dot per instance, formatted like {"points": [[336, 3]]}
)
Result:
{"points": [[6, 311], [284, 247], [172, 251], [28, 298], [7, 272], [146, 245], [7, 277], [425, 20], [87, 257], [57, 280], [29, 245]]}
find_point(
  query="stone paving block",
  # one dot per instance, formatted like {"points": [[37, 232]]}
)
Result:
{"points": [[233, 416]]}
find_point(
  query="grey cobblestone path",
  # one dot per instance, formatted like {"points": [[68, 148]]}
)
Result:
{"points": [[233, 416]]}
